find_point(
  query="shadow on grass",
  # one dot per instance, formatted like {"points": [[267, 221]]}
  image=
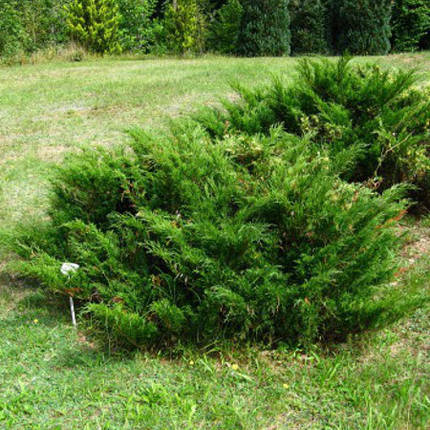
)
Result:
{"points": [[89, 347]]}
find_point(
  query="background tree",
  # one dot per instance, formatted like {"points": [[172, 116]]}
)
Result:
{"points": [[410, 24], [309, 25], [185, 26], [224, 30], [265, 28], [95, 24], [44, 22], [425, 42], [12, 33], [362, 26], [136, 24]]}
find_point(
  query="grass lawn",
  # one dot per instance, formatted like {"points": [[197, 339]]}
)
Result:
{"points": [[54, 377]]}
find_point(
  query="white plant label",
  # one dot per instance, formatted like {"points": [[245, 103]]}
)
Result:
{"points": [[69, 268]]}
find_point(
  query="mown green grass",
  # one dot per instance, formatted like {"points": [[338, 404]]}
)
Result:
{"points": [[49, 109], [53, 377]]}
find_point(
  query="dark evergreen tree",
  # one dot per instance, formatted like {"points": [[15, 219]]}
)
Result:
{"points": [[225, 27], [309, 26], [410, 24], [425, 42], [265, 28], [362, 26]]}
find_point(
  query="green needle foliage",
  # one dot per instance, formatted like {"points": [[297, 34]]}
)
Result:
{"points": [[224, 30], [185, 26], [362, 26], [309, 26], [265, 28], [241, 27], [376, 114], [410, 23], [246, 238], [95, 24]]}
